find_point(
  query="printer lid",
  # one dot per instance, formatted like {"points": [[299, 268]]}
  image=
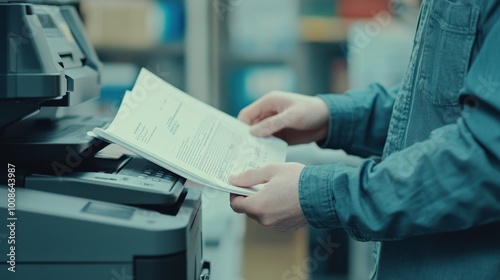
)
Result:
{"points": [[46, 59]]}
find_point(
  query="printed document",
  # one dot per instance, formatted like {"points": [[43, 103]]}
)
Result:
{"points": [[186, 136]]}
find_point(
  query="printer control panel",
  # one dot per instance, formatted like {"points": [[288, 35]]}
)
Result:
{"points": [[127, 179]]}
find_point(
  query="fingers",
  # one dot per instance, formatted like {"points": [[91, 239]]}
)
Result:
{"points": [[249, 178], [271, 125], [238, 203], [268, 115], [256, 111], [253, 177], [278, 204], [244, 205], [264, 107]]}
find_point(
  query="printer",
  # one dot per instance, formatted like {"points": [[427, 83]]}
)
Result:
{"points": [[71, 207]]}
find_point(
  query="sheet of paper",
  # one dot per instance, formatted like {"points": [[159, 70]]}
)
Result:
{"points": [[189, 134]]}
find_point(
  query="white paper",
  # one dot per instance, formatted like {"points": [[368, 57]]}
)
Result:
{"points": [[178, 132]]}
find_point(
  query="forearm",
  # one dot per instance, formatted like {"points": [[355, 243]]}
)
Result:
{"points": [[446, 183], [359, 120]]}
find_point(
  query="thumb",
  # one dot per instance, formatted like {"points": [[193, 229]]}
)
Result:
{"points": [[252, 177], [271, 125]]}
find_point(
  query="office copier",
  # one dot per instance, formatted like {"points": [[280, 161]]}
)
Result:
{"points": [[71, 206]]}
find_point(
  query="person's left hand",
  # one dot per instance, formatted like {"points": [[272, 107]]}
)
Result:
{"points": [[276, 205]]}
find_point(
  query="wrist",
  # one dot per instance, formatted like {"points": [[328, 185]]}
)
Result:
{"points": [[323, 113]]}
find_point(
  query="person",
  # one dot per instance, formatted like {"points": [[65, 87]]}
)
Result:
{"points": [[433, 200]]}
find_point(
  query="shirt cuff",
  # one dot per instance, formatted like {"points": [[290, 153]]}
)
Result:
{"points": [[341, 121], [316, 196]]}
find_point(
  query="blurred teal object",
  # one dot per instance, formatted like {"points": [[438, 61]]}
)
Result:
{"points": [[264, 29], [247, 84], [116, 79], [323, 8], [174, 26]]}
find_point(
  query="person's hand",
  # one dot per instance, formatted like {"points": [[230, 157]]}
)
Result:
{"points": [[277, 204], [292, 117]]}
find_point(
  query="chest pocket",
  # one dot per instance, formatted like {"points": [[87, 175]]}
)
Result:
{"points": [[448, 39]]}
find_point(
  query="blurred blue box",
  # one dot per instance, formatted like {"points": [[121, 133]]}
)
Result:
{"points": [[174, 20], [116, 79], [264, 29]]}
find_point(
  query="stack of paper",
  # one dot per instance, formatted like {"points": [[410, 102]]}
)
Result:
{"points": [[186, 136]]}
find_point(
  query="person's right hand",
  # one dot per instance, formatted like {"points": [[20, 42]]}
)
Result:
{"points": [[292, 117]]}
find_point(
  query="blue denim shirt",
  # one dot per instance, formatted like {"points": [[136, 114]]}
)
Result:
{"points": [[434, 198]]}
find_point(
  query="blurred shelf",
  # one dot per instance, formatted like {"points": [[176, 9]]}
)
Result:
{"points": [[259, 60], [167, 49], [324, 29]]}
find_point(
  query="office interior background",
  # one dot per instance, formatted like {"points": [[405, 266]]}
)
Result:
{"points": [[228, 53]]}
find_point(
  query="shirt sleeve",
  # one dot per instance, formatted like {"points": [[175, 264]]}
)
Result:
{"points": [[448, 182], [359, 120]]}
